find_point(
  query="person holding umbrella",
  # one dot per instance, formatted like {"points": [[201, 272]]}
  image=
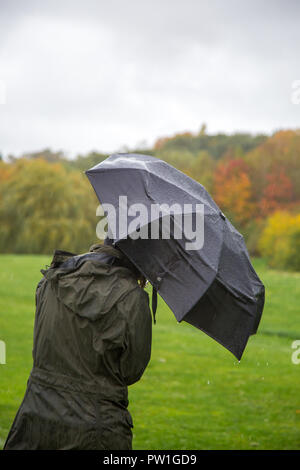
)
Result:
{"points": [[92, 334], [197, 261], [92, 339]]}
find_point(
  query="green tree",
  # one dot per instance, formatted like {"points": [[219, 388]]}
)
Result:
{"points": [[43, 207]]}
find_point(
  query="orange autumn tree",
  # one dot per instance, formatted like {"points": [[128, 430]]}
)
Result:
{"points": [[232, 190], [274, 169], [278, 192]]}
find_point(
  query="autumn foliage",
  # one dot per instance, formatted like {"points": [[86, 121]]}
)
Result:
{"points": [[233, 191], [280, 240], [44, 207], [46, 201]]}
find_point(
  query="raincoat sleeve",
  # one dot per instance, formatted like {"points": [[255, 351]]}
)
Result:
{"points": [[138, 336]]}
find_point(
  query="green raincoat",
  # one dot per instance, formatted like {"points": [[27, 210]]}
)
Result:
{"points": [[92, 338]]}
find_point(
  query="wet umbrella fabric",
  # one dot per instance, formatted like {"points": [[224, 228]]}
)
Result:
{"points": [[215, 288]]}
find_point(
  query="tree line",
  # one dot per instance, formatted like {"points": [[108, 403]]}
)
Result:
{"points": [[46, 201]]}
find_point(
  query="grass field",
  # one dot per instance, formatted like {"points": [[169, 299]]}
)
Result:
{"points": [[194, 394]]}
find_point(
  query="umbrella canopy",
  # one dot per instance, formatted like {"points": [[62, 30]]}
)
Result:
{"points": [[207, 281]]}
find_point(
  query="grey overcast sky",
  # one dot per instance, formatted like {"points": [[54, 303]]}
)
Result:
{"points": [[98, 75]]}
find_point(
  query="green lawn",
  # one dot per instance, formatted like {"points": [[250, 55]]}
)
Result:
{"points": [[194, 394]]}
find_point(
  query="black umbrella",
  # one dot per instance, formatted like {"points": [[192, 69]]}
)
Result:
{"points": [[208, 282]]}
